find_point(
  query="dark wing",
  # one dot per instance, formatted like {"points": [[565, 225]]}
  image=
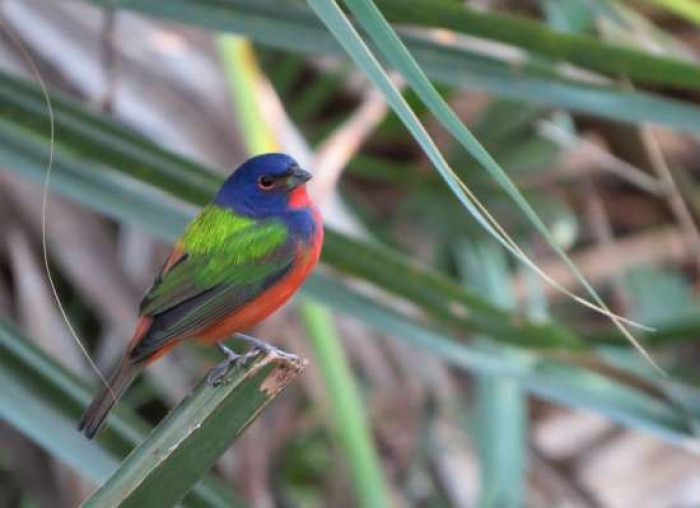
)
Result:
{"points": [[198, 290]]}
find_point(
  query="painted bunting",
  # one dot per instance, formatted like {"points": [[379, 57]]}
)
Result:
{"points": [[238, 261]]}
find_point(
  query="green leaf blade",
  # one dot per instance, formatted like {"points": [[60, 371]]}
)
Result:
{"points": [[44, 401], [292, 27], [187, 442]]}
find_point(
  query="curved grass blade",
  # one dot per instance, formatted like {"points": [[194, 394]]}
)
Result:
{"points": [[343, 30], [394, 50]]}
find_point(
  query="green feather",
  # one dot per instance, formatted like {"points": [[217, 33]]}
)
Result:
{"points": [[221, 248], [227, 240], [215, 227]]}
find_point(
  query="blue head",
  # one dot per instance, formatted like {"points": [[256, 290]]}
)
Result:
{"points": [[264, 185]]}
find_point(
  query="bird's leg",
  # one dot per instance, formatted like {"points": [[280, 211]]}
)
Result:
{"points": [[257, 346], [217, 375], [230, 355]]}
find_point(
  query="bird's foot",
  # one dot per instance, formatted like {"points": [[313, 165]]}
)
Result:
{"points": [[219, 374], [258, 347]]}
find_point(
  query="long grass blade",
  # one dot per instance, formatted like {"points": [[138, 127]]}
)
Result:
{"points": [[291, 27], [587, 52], [393, 49], [501, 403], [347, 409]]}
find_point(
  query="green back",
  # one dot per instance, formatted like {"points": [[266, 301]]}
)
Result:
{"points": [[227, 261]]}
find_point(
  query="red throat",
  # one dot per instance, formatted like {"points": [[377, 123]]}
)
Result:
{"points": [[298, 198]]}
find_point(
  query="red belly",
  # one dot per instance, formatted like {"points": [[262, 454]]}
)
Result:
{"points": [[268, 301]]}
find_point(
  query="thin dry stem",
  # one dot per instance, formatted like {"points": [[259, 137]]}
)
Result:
{"points": [[602, 231], [600, 264], [676, 202], [598, 155], [335, 152]]}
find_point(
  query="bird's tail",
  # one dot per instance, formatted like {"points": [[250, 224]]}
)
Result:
{"points": [[95, 415]]}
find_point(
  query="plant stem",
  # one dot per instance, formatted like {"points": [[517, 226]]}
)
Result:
{"points": [[346, 407], [686, 9]]}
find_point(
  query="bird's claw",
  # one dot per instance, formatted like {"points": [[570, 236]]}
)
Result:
{"points": [[257, 347], [219, 374], [255, 344]]}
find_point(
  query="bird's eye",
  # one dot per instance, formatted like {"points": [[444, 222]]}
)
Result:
{"points": [[265, 182]]}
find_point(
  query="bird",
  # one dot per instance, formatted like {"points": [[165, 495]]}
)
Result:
{"points": [[241, 258]]}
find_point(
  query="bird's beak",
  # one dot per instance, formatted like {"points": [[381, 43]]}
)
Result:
{"points": [[297, 177]]}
